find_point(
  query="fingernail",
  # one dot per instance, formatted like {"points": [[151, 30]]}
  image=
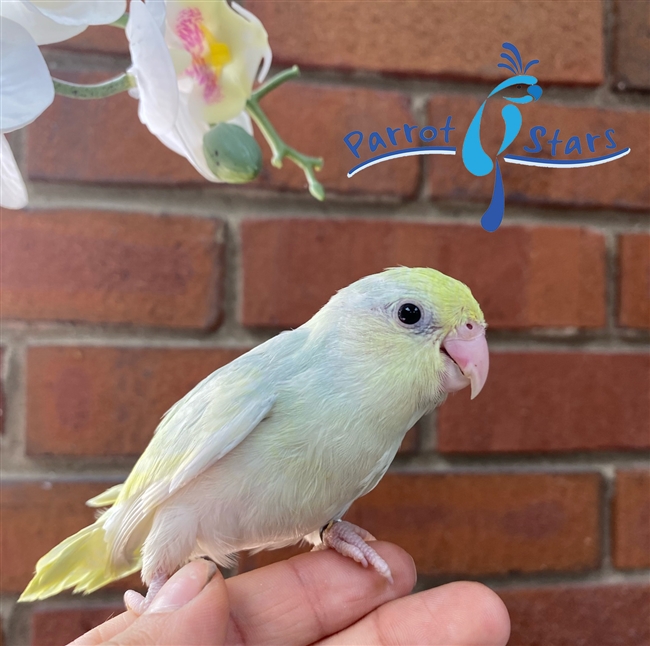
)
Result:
{"points": [[183, 587]]}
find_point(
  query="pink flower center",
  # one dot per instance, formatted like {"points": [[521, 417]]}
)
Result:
{"points": [[208, 55]]}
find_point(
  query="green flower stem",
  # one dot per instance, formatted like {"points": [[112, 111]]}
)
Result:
{"points": [[278, 79], [279, 149], [121, 21], [119, 84]]}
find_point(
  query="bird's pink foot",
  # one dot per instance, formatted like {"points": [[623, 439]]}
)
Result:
{"points": [[349, 540], [136, 602]]}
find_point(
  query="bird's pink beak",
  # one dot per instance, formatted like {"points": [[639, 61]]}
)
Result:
{"points": [[467, 348]]}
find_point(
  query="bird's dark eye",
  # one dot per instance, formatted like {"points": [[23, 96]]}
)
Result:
{"points": [[409, 314], [518, 87]]}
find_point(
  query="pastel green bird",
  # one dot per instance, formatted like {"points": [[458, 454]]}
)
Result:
{"points": [[274, 447]]}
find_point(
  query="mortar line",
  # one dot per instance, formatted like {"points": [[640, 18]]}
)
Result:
{"points": [[255, 205], [515, 462], [104, 468], [609, 42], [564, 93], [611, 279], [238, 336], [608, 484], [228, 322], [13, 439], [419, 109], [520, 581], [596, 95], [429, 436]]}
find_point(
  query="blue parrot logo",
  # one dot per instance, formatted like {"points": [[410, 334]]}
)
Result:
{"points": [[522, 88], [475, 159]]}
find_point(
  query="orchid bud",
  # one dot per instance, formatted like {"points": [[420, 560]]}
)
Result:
{"points": [[232, 154]]}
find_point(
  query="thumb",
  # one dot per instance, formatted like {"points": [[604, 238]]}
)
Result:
{"points": [[191, 608]]}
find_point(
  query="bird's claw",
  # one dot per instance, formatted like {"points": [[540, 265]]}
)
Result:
{"points": [[135, 602], [350, 541]]}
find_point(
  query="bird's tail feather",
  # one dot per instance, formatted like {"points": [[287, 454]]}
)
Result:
{"points": [[106, 498], [81, 561]]}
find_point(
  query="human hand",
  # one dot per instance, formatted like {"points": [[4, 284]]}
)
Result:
{"points": [[317, 597]]}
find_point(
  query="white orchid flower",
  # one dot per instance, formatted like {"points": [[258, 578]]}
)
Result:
{"points": [[26, 90], [194, 70], [51, 21]]}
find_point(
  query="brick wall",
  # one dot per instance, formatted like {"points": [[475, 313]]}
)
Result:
{"points": [[130, 279]]}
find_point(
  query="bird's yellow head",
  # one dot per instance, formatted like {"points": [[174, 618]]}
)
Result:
{"points": [[447, 302], [418, 322]]}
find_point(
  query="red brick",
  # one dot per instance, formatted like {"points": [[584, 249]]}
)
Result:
{"points": [[632, 45], [60, 627], [552, 401], [103, 267], [441, 39], [631, 520], [100, 401], [475, 524], [579, 615], [567, 277], [37, 515], [101, 39], [410, 441], [620, 184], [554, 276], [102, 142], [634, 277], [315, 119]]}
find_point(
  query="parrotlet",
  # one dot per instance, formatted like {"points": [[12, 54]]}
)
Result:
{"points": [[274, 447]]}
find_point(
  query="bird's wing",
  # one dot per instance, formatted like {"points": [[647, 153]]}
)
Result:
{"points": [[200, 429]]}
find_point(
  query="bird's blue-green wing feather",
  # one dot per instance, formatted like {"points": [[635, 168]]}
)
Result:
{"points": [[209, 422]]}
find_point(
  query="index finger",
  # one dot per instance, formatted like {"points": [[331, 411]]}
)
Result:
{"points": [[311, 596], [456, 614], [298, 601]]}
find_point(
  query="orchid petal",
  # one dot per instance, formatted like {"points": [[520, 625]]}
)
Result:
{"points": [[243, 120], [181, 60], [187, 140], [153, 70], [173, 141], [174, 79], [247, 43], [13, 194], [244, 34], [267, 57], [41, 28], [80, 12], [158, 11], [266, 65], [190, 131], [26, 87], [235, 91]]}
